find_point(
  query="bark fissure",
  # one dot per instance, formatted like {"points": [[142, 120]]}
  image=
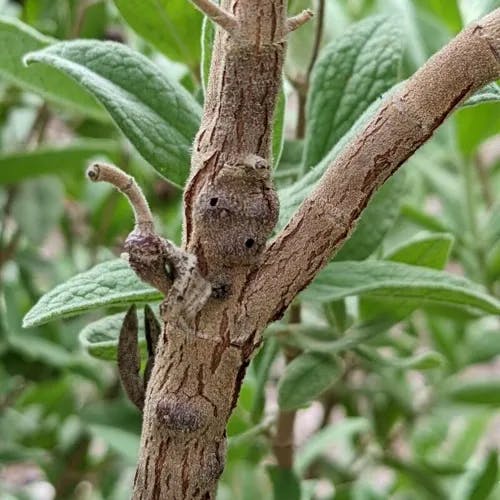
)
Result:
{"points": [[230, 209]]}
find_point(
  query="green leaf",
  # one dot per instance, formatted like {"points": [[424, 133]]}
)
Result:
{"points": [[483, 484], [262, 366], [492, 225], [123, 442], [310, 337], [377, 218], [100, 338], [421, 478], [472, 10], [119, 413], [489, 93], [483, 343], [279, 128], [38, 207], [292, 196], [157, 115], [352, 71], [424, 34], [286, 483], [447, 12], [475, 124], [36, 348], [51, 84], [422, 219], [424, 361], [465, 443], [170, 25], [16, 167], [399, 281], [207, 42], [474, 392], [109, 284], [306, 377], [325, 439], [425, 249]]}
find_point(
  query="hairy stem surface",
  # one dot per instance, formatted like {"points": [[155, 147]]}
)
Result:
{"points": [[231, 208]]}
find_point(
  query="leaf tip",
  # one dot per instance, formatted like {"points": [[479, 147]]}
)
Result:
{"points": [[32, 318], [28, 321], [29, 58]]}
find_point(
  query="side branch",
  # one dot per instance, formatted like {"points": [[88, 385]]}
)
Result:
{"points": [[297, 21], [156, 261], [218, 15], [101, 172], [401, 125]]}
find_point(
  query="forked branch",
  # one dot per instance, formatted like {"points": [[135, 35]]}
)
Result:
{"points": [[199, 369], [401, 125]]}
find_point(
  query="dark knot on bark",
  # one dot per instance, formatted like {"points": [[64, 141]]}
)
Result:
{"points": [[235, 213], [180, 416]]}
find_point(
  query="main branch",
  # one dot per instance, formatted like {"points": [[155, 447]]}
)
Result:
{"points": [[236, 282], [230, 210]]}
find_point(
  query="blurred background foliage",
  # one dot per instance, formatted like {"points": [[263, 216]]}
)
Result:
{"points": [[388, 364]]}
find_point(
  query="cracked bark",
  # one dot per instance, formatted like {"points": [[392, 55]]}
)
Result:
{"points": [[199, 366]]}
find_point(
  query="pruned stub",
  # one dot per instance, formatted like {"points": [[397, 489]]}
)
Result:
{"points": [[235, 214]]}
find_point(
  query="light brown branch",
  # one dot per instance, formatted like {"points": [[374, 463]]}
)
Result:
{"points": [[284, 440], [218, 15], [297, 21], [230, 208], [101, 172], [199, 367], [400, 126]]}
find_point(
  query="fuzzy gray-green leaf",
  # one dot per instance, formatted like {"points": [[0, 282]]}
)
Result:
{"points": [[16, 40], [351, 73], [157, 115], [401, 282], [425, 249], [169, 25], [15, 167], [109, 284], [100, 338], [306, 377], [489, 93]]}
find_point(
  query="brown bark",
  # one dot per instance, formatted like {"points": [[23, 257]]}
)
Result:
{"points": [[230, 209], [198, 371], [401, 125]]}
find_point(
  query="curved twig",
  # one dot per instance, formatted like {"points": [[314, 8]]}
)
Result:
{"points": [[102, 172]]}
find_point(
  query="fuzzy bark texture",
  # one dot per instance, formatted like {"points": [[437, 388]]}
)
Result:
{"points": [[231, 209]]}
